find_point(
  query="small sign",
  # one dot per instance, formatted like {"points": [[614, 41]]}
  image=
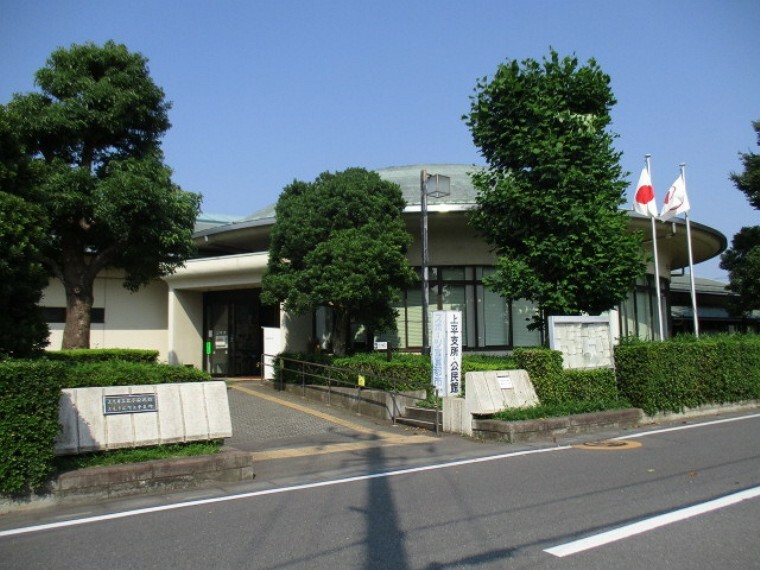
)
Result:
{"points": [[361, 381], [129, 404], [220, 341], [381, 345], [505, 383]]}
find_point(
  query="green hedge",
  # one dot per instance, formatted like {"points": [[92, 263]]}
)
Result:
{"points": [[557, 386], [104, 354], [411, 371], [122, 373], [29, 396], [30, 392], [684, 373]]}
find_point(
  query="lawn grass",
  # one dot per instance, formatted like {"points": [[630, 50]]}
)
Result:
{"points": [[137, 455]]}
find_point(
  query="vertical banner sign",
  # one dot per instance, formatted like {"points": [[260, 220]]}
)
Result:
{"points": [[446, 352]]}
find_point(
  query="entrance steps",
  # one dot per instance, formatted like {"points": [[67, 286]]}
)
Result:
{"points": [[419, 417]]}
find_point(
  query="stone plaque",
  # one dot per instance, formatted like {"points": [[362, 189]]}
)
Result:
{"points": [[129, 404]]}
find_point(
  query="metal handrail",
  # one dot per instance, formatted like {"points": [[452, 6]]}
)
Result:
{"points": [[305, 369]]}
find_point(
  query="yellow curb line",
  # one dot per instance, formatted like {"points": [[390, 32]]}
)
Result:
{"points": [[338, 447], [304, 409]]}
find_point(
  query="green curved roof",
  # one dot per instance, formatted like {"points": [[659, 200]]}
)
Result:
{"points": [[408, 177]]}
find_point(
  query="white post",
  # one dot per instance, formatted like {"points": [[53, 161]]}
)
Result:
{"points": [[691, 260], [656, 262]]}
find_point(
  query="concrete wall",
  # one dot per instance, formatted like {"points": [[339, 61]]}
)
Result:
{"points": [[185, 327], [132, 320]]}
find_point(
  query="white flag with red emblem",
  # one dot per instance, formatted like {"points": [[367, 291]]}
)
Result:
{"points": [[676, 200], [643, 201]]}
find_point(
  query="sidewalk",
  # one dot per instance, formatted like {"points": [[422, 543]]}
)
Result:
{"points": [[277, 424]]}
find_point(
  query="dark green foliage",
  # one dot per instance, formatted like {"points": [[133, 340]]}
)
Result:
{"points": [[23, 331], [549, 201], [684, 372], [749, 180], [29, 396], [340, 241], [124, 373], [92, 136], [103, 354], [742, 261]]}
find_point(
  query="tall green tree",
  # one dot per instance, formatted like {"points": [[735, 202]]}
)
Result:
{"points": [[23, 331], [742, 259], [549, 201], [340, 242], [94, 132]]}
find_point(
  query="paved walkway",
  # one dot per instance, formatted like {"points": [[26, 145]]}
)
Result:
{"points": [[275, 424]]}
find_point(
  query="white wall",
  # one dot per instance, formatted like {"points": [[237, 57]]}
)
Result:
{"points": [[132, 320]]}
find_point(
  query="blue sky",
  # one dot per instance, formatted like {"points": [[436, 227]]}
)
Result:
{"points": [[265, 92]]}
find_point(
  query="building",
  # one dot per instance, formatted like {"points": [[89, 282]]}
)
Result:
{"points": [[208, 314]]}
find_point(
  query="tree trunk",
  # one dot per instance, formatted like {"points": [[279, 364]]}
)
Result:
{"points": [[79, 299], [77, 272], [341, 327]]}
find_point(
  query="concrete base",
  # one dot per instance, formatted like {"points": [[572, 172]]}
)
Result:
{"points": [[161, 475], [552, 428]]}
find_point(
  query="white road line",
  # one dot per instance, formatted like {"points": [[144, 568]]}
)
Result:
{"points": [[649, 524], [278, 490], [160, 508], [690, 426]]}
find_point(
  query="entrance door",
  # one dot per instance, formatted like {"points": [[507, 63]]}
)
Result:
{"points": [[233, 321]]}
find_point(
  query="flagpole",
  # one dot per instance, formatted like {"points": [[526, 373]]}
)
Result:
{"points": [[691, 260], [656, 259]]}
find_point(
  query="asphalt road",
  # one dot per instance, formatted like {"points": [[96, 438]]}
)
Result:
{"points": [[499, 507]]}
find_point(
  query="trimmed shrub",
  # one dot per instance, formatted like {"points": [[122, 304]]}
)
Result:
{"points": [[685, 372], [104, 354], [544, 367], [122, 373], [555, 386], [30, 392]]}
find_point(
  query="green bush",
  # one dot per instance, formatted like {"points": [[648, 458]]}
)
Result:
{"points": [[123, 373], [104, 354], [481, 362], [544, 367], [555, 386], [30, 392], [684, 372], [556, 410]]}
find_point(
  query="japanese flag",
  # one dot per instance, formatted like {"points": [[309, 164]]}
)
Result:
{"points": [[676, 200], [643, 201]]}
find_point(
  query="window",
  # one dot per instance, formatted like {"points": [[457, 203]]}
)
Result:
{"points": [[489, 321], [58, 315]]}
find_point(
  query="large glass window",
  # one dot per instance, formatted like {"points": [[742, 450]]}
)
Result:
{"points": [[638, 313], [487, 318]]}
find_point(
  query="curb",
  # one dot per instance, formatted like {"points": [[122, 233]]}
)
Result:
{"points": [[551, 428], [129, 479]]}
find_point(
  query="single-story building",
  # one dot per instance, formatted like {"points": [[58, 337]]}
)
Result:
{"points": [[208, 314]]}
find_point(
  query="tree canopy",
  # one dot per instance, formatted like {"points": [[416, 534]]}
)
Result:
{"points": [[549, 201], [93, 132], [742, 259], [340, 242], [749, 180], [22, 277]]}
